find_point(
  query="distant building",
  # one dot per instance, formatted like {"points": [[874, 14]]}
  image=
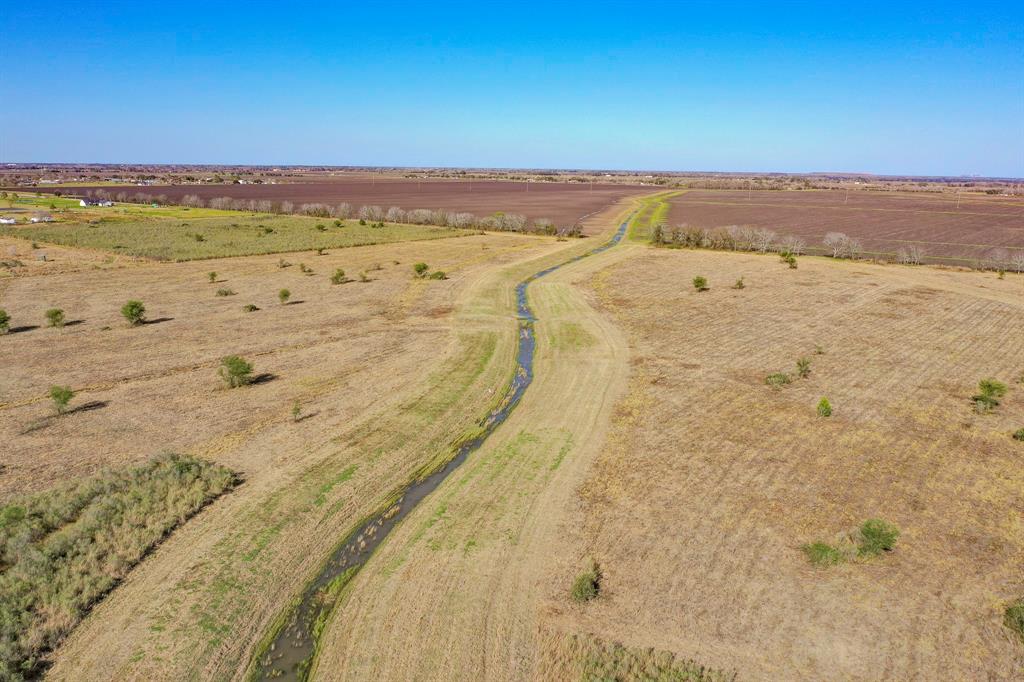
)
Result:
{"points": [[7, 221]]}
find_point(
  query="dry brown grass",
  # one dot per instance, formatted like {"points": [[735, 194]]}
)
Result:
{"points": [[711, 481], [388, 373]]}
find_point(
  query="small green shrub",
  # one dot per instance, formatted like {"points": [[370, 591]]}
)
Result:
{"points": [[134, 312], [304, 268], [587, 584], [283, 295], [1013, 618], [824, 408], [990, 391], [212, 276], [321, 227], [739, 284], [235, 371], [777, 380], [55, 317], [5, 321], [420, 269], [823, 554], [198, 237], [61, 396], [438, 274], [225, 292], [282, 263], [876, 536], [700, 283], [803, 367], [363, 277], [338, 277], [249, 308], [1019, 435], [362, 221]]}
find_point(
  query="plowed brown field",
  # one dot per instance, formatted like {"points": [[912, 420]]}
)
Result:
{"points": [[561, 202], [884, 222]]}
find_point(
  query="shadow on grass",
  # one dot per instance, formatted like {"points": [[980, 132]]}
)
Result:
{"points": [[294, 302], [23, 328], [73, 323], [264, 378], [306, 416], [43, 422], [157, 320]]}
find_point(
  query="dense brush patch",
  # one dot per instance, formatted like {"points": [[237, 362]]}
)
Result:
{"points": [[62, 550]]}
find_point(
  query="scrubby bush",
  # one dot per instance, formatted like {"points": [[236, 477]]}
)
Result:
{"points": [[282, 263], [1019, 435], [55, 317], [438, 274], [61, 396], [134, 312], [235, 371], [338, 277], [249, 308], [824, 408], [777, 380], [305, 268], [5, 321], [739, 284], [700, 283], [989, 393], [803, 367], [225, 292], [321, 227], [283, 295], [587, 584], [421, 269], [212, 276], [363, 277], [876, 536]]}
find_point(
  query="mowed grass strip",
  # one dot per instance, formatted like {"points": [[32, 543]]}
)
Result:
{"points": [[62, 550], [218, 237]]}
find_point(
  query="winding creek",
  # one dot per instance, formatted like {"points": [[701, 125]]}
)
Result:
{"points": [[289, 654]]}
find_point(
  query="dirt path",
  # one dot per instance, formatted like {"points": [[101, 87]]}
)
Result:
{"points": [[456, 591]]}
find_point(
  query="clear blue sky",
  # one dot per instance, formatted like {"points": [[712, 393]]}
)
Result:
{"points": [[932, 88]]}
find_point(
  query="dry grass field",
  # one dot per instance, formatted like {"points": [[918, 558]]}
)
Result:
{"points": [[384, 376], [958, 230], [711, 481], [648, 443]]}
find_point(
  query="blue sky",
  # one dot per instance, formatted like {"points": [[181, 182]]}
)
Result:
{"points": [[933, 88]]}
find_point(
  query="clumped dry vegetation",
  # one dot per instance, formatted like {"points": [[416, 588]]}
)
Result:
{"points": [[62, 550], [585, 657]]}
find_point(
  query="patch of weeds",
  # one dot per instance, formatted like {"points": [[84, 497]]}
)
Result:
{"points": [[1013, 618], [421, 269], [283, 295], [55, 317], [777, 380], [587, 584], [823, 554], [339, 277], [1019, 435], [739, 284], [225, 292], [700, 283], [250, 308], [438, 274], [824, 408], [235, 371], [803, 367], [282, 263]]}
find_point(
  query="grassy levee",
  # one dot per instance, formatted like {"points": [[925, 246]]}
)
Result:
{"points": [[61, 551], [455, 591], [653, 210]]}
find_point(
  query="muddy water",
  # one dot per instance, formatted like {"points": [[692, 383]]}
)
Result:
{"points": [[290, 653]]}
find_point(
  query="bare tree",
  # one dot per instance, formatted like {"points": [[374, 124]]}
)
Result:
{"points": [[1017, 261], [836, 242], [372, 213], [793, 244], [418, 216], [287, 207], [221, 203], [911, 255], [395, 215], [461, 220], [998, 259], [763, 239]]}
